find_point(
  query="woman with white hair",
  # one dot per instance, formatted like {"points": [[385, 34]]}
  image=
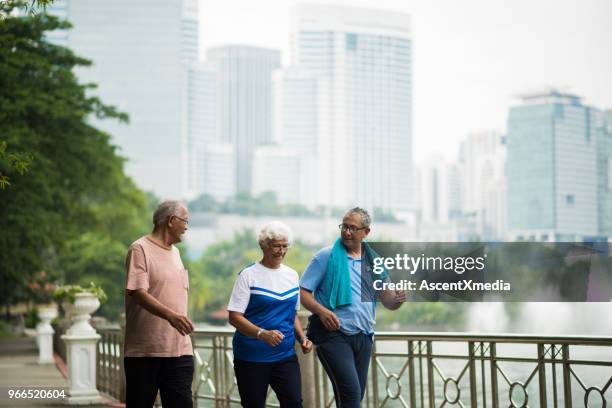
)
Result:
{"points": [[262, 308]]}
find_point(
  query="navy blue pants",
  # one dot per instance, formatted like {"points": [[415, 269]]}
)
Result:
{"points": [[346, 360], [283, 376], [172, 376]]}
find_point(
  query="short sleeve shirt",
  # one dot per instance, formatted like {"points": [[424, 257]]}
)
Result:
{"points": [[358, 317], [268, 298], [161, 273]]}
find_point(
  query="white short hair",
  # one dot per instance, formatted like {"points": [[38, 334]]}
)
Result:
{"points": [[274, 230]]}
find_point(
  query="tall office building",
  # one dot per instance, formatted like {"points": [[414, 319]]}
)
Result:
{"points": [[295, 102], [219, 161], [362, 60], [244, 95], [552, 168], [285, 172], [294, 130], [439, 190], [604, 162], [203, 126], [141, 51], [482, 160]]}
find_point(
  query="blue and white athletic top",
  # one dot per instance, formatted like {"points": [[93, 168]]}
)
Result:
{"points": [[268, 298]]}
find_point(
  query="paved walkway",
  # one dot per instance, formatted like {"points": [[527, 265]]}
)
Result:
{"points": [[19, 368]]}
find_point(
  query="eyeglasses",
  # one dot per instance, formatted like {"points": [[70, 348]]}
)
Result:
{"points": [[353, 229], [276, 247], [182, 219]]}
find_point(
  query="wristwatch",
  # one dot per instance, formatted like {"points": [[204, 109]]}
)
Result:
{"points": [[259, 332]]}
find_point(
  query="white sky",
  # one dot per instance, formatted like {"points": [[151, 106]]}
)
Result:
{"points": [[471, 57]]}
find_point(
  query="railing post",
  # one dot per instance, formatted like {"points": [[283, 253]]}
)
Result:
{"points": [[121, 367], [306, 367], [430, 376], [567, 383], [542, 374], [482, 372], [494, 385], [472, 364], [317, 382], [219, 392], [229, 370], [411, 380], [374, 369]]}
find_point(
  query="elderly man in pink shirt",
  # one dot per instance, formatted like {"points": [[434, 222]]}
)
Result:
{"points": [[158, 351]]}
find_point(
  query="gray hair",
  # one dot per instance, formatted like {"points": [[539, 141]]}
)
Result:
{"points": [[366, 219], [274, 230], [166, 209]]}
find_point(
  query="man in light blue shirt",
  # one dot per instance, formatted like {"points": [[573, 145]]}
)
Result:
{"points": [[342, 324]]}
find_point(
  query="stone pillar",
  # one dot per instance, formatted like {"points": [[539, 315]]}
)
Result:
{"points": [[307, 368], [81, 341], [81, 355], [44, 332]]}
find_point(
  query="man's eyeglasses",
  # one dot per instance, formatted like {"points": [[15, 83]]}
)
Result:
{"points": [[182, 219], [353, 229]]}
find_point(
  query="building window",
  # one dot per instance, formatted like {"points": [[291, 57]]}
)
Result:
{"points": [[351, 41], [610, 172], [570, 199]]}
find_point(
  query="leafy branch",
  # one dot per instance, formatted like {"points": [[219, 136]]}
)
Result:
{"points": [[20, 162]]}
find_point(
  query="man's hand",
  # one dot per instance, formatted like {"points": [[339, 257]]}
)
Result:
{"points": [[400, 296], [181, 323], [271, 337], [306, 345], [393, 299], [329, 320]]}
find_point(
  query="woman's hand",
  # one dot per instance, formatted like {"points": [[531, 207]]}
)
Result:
{"points": [[271, 337], [306, 345]]}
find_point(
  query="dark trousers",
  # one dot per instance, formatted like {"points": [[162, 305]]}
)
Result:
{"points": [[172, 376], [346, 360], [283, 376]]}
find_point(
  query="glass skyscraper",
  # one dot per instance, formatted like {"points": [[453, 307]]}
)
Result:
{"points": [[604, 163], [362, 60], [244, 76], [141, 51], [553, 192]]}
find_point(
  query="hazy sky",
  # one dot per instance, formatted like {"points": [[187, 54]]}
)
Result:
{"points": [[471, 57]]}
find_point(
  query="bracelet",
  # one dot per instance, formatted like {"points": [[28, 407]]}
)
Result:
{"points": [[259, 332]]}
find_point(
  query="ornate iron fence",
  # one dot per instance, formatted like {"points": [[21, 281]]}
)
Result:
{"points": [[415, 370], [441, 369]]}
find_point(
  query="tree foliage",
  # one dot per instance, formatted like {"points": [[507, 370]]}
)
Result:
{"points": [[75, 211]]}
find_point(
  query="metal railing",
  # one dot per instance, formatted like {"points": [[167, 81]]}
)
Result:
{"points": [[414, 370], [440, 369]]}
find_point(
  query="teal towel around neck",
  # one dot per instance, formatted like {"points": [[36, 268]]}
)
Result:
{"points": [[337, 282]]}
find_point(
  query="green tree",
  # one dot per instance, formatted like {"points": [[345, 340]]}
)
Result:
{"points": [[11, 161], [75, 202]]}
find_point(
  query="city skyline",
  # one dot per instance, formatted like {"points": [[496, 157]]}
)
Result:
{"points": [[470, 60], [341, 104]]}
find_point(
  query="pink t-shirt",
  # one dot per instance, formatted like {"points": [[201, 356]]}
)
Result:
{"points": [[161, 272]]}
